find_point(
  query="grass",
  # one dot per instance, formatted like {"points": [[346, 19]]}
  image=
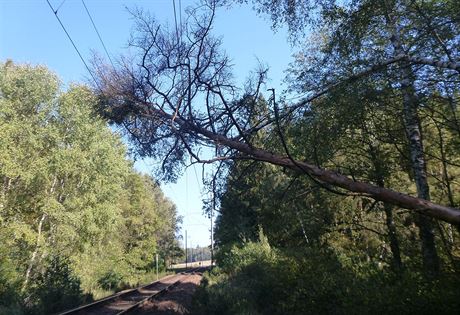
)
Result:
{"points": [[140, 280]]}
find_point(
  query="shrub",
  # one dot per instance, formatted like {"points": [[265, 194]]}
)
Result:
{"points": [[110, 280], [56, 289], [258, 279]]}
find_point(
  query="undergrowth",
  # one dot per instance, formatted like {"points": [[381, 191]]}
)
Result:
{"points": [[258, 279]]}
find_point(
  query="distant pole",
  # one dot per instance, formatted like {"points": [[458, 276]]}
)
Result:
{"points": [[186, 258], [212, 232], [156, 261]]}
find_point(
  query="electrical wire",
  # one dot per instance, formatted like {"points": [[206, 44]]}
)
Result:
{"points": [[175, 20], [60, 5], [180, 18], [73, 44], [97, 32]]}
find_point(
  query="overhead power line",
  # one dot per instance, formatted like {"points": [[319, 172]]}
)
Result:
{"points": [[175, 21], [73, 43], [63, 1], [97, 32], [196, 177], [180, 18]]}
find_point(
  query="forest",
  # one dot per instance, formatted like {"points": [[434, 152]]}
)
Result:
{"points": [[340, 195], [76, 220]]}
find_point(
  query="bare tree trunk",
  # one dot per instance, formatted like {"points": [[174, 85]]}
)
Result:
{"points": [[388, 209], [447, 241], [5, 188], [6, 184], [35, 253], [302, 227], [39, 238], [445, 171], [414, 136]]}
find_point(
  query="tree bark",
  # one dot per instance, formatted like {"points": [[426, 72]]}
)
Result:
{"points": [[451, 65], [418, 163], [425, 207], [39, 238], [35, 253], [445, 171], [392, 236], [414, 134]]}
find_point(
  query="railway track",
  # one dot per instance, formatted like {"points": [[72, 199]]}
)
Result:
{"points": [[130, 300]]}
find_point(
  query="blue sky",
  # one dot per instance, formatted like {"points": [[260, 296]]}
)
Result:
{"points": [[29, 32]]}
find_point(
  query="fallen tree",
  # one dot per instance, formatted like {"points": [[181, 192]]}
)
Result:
{"points": [[176, 95]]}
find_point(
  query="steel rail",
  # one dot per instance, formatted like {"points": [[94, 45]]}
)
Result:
{"points": [[108, 299], [143, 301]]}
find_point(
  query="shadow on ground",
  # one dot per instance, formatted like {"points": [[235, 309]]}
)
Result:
{"points": [[177, 301]]}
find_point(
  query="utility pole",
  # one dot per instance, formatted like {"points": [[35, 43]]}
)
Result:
{"points": [[156, 261], [186, 258], [212, 232]]}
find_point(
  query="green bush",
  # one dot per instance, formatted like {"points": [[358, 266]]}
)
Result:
{"points": [[110, 280], [9, 287], [54, 290], [258, 279]]}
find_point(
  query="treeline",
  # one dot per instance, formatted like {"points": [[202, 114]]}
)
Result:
{"points": [[75, 217]]}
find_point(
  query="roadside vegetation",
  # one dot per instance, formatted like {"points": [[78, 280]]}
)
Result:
{"points": [[76, 220]]}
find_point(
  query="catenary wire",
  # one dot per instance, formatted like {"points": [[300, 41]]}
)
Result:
{"points": [[97, 32], [73, 44], [63, 1], [175, 20]]}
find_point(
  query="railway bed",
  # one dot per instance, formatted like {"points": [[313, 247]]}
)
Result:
{"points": [[129, 300]]}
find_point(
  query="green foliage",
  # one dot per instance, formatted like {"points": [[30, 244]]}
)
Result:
{"points": [[258, 279], [55, 289], [74, 215], [110, 280]]}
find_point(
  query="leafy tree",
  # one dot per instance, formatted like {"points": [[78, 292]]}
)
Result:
{"points": [[358, 118], [402, 44], [71, 207]]}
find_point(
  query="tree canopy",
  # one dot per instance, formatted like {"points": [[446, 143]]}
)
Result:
{"points": [[70, 202]]}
